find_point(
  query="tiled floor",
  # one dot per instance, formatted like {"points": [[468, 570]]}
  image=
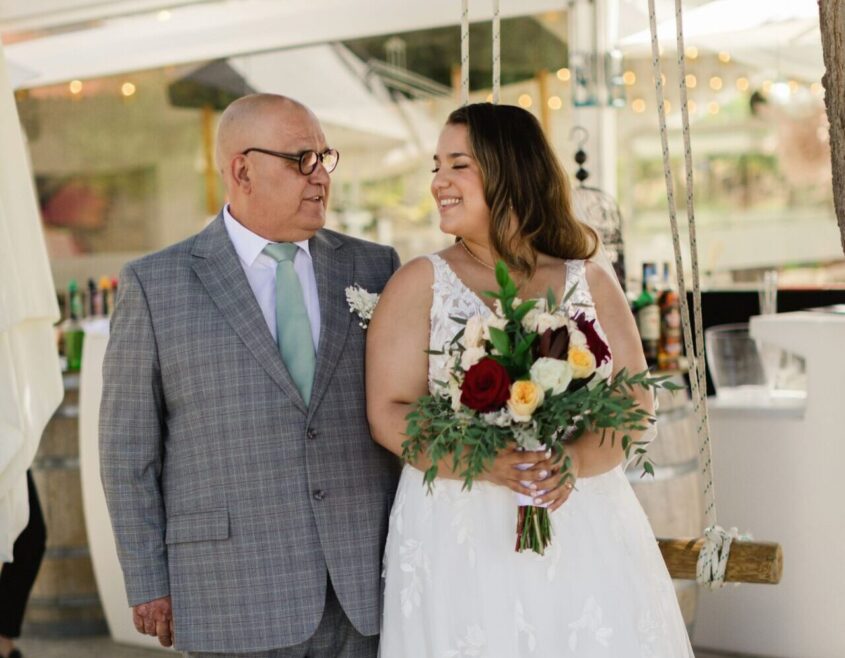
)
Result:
{"points": [[101, 647]]}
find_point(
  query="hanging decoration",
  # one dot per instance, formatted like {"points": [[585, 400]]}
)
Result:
{"points": [[598, 209]]}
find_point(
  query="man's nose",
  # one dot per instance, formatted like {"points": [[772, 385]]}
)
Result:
{"points": [[319, 176]]}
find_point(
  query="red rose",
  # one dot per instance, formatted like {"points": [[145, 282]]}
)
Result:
{"points": [[486, 386], [595, 343]]}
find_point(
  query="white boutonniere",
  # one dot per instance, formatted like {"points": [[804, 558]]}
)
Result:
{"points": [[361, 303]]}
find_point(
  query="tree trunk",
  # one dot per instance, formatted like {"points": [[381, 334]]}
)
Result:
{"points": [[832, 21]]}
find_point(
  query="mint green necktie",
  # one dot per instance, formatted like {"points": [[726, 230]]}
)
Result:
{"points": [[293, 329]]}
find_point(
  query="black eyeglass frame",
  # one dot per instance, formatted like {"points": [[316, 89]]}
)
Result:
{"points": [[300, 158]]}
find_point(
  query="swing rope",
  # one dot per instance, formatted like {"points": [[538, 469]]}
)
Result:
{"points": [[464, 52], [497, 52], [497, 55], [714, 552]]}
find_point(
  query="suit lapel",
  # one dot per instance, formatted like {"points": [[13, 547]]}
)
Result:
{"points": [[218, 268], [333, 270]]}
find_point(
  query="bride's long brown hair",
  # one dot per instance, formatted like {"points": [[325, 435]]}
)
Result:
{"points": [[523, 183]]}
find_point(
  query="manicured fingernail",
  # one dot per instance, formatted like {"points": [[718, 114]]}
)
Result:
{"points": [[532, 486], [538, 501], [543, 474]]}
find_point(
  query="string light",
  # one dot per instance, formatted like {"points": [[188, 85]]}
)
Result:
{"points": [[715, 83], [767, 86], [127, 89], [742, 84], [793, 86], [555, 103], [629, 78], [713, 107], [667, 106], [563, 74], [525, 101], [691, 80], [75, 87], [692, 107], [724, 57], [638, 105], [817, 88], [691, 52]]}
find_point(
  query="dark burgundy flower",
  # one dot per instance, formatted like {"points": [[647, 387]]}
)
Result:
{"points": [[486, 386], [554, 344], [595, 343]]}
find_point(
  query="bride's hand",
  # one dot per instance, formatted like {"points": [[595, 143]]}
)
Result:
{"points": [[504, 470], [558, 488]]}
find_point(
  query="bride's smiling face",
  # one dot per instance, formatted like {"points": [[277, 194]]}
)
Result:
{"points": [[457, 186]]}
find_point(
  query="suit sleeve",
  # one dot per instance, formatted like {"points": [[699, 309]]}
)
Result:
{"points": [[131, 443], [395, 262]]}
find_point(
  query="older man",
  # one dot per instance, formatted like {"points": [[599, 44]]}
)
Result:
{"points": [[248, 501]]}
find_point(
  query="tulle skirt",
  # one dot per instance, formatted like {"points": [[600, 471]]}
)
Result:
{"points": [[454, 586]]}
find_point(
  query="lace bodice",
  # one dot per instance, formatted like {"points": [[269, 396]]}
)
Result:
{"points": [[452, 298]]}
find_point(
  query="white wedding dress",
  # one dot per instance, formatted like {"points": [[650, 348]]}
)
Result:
{"points": [[454, 586]]}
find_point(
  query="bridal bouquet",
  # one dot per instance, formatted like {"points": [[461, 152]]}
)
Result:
{"points": [[532, 374]]}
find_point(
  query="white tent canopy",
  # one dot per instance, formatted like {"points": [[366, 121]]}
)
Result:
{"points": [[781, 35], [201, 32]]}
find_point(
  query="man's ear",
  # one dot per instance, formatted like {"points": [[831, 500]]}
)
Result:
{"points": [[241, 173]]}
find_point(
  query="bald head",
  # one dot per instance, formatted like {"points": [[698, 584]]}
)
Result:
{"points": [[250, 121]]}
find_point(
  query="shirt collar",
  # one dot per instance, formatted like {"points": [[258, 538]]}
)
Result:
{"points": [[249, 245]]}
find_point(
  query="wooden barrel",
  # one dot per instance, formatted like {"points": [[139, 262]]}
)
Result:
{"points": [[673, 498], [64, 600]]}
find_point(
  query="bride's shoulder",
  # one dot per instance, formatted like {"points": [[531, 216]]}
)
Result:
{"points": [[413, 279]]}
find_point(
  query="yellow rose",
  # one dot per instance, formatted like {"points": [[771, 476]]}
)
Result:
{"points": [[526, 396], [582, 361]]}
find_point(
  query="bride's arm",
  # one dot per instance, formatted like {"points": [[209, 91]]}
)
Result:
{"points": [[397, 374], [397, 362]]}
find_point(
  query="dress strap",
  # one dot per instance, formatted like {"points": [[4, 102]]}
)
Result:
{"points": [[581, 300]]}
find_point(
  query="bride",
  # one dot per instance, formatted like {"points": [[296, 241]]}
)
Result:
{"points": [[453, 584]]}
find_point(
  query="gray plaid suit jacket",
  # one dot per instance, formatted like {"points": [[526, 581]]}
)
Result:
{"points": [[224, 490]]}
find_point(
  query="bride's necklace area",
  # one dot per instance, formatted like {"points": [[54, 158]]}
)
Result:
{"points": [[517, 280], [474, 257]]}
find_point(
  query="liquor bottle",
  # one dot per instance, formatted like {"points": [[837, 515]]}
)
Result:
{"points": [[72, 332], [106, 295], [94, 303], [670, 348], [648, 315]]}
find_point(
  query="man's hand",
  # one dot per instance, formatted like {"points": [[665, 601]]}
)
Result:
{"points": [[155, 618]]}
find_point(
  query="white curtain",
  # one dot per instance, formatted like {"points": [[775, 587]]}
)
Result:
{"points": [[30, 378]]}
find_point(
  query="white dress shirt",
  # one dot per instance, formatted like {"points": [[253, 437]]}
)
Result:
{"points": [[260, 271]]}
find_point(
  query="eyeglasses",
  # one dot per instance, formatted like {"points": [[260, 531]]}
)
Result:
{"points": [[307, 160]]}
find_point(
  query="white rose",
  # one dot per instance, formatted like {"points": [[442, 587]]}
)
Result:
{"points": [[499, 323], [546, 321], [551, 374], [474, 331], [529, 322], [471, 356], [577, 337]]}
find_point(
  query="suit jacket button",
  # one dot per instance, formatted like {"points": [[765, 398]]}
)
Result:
{"points": [[311, 433], [319, 494]]}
